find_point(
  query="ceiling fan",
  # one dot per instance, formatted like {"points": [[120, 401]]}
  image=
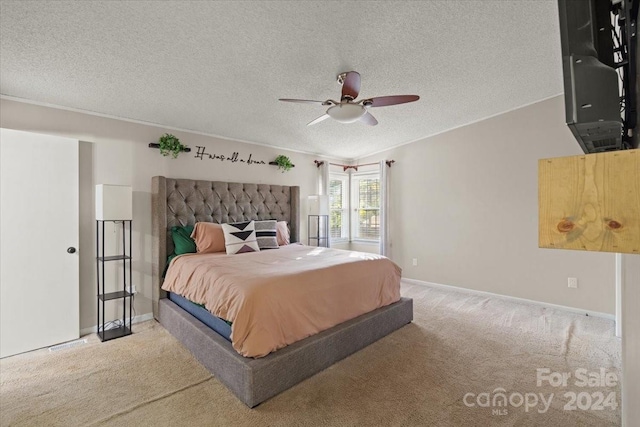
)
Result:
{"points": [[349, 111]]}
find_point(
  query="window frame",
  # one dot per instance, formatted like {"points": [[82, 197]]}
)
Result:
{"points": [[355, 178], [345, 230]]}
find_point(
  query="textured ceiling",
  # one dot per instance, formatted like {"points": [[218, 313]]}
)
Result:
{"points": [[219, 67]]}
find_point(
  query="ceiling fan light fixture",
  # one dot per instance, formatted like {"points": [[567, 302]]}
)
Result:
{"points": [[346, 112]]}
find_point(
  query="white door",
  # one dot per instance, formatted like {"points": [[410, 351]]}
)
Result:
{"points": [[39, 273]]}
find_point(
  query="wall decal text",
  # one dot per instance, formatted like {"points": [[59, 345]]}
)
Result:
{"points": [[233, 158]]}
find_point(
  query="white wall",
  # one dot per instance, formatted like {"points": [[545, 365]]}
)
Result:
{"points": [[465, 204], [116, 152], [630, 340]]}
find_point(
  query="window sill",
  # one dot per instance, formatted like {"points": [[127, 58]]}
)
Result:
{"points": [[366, 241], [338, 240]]}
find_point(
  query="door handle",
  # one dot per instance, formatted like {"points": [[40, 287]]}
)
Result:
{"points": [[71, 250]]}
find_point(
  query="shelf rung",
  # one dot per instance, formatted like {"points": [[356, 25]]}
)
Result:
{"points": [[113, 257], [110, 334], [114, 295]]}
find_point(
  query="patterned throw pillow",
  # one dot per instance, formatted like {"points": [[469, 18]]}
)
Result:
{"points": [[240, 237], [266, 234]]}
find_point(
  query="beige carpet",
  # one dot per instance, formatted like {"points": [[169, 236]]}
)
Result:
{"points": [[459, 343]]}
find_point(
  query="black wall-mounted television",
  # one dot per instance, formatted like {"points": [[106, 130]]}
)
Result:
{"points": [[599, 62]]}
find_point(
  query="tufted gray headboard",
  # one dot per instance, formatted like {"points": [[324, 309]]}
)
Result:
{"points": [[186, 201]]}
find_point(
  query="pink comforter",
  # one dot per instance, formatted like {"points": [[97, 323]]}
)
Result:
{"points": [[277, 297]]}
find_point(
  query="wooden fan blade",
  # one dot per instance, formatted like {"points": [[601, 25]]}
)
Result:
{"points": [[369, 119], [302, 101], [318, 120], [383, 101], [351, 85]]}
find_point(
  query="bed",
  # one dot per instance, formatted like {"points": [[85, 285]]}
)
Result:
{"points": [[252, 380]]}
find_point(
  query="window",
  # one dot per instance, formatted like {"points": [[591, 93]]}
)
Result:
{"points": [[354, 206], [366, 204], [339, 206]]}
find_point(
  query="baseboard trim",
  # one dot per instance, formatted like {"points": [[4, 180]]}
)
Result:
{"points": [[507, 297], [137, 319]]}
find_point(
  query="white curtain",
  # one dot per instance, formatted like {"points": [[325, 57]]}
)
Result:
{"points": [[323, 190], [384, 208]]}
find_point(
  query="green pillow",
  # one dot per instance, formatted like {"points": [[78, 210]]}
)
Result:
{"points": [[182, 241]]}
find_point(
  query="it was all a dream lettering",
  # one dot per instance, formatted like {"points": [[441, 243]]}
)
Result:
{"points": [[233, 158]]}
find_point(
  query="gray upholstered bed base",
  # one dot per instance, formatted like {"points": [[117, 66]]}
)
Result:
{"points": [[255, 380], [184, 202]]}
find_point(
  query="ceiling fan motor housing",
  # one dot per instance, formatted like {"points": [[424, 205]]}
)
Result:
{"points": [[346, 112]]}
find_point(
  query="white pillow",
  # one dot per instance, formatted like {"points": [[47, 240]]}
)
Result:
{"points": [[282, 233], [240, 237]]}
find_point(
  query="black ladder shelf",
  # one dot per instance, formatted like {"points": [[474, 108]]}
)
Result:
{"points": [[318, 230], [125, 294]]}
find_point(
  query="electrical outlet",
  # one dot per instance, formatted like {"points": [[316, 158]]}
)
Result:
{"points": [[572, 282], [415, 262]]}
